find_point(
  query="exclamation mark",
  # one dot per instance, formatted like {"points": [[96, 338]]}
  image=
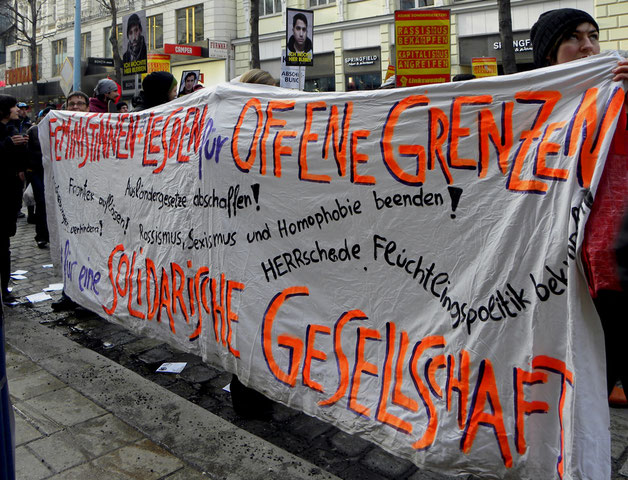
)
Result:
{"points": [[455, 193], [255, 188]]}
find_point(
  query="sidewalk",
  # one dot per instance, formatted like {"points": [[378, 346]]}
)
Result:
{"points": [[81, 416], [102, 413]]}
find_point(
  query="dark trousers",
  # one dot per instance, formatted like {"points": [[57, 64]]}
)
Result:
{"points": [[611, 306], [5, 260], [41, 225]]}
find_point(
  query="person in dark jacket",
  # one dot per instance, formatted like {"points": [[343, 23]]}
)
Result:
{"points": [[77, 102], [35, 175], [105, 94], [157, 88], [10, 142], [23, 123], [560, 36]]}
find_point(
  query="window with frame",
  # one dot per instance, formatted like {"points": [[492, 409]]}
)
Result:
{"points": [[16, 58], [155, 27], [316, 3], [410, 4], [86, 44], [108, 47], [269, 7], [59, 53], [190, 24]]}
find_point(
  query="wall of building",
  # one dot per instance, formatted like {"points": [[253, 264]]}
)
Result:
{"points": [[612, 17]]}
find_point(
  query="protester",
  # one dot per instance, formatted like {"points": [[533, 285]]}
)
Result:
{"points": [[10, 168], [247, 402], [35, 176], [157, 88], [24, 122], [76, 102], [105, 94], [463, 77], [560, 36], [122, 107]]}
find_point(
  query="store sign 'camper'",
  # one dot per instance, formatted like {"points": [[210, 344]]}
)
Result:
{"points": [[364, 60]]}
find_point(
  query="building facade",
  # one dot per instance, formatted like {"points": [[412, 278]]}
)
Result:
{"points": [[189, 22], [354, 40]]}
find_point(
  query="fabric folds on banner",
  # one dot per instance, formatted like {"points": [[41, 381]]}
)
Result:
{"points": [[401, 263]]}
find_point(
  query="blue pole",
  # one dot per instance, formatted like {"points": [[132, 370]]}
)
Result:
{"points": [[77, 45]]}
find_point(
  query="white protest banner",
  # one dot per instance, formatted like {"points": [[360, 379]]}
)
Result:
{"points": [[401, 263]]}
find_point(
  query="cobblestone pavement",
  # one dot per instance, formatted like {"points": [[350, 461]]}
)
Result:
{"points": [[324, 445]]}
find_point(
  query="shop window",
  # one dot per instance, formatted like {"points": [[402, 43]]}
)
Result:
{"points": [[322, 84], [316, 3], [363, 81], [59, 53], [155, 35], [269, 7], [86, 44], [16, 58], [410, 4], [108, 47], [190, 24]]}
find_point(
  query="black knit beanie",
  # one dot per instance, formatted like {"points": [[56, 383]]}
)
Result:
{"points": [[156, 86], [550, 26]]}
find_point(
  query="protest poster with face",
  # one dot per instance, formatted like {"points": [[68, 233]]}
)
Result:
{"points": [[299, 37], [134, 59]]}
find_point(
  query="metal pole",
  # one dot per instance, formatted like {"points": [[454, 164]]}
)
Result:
{"points": [[77, 45]]}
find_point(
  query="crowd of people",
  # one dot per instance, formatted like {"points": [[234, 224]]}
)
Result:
{"points": [[558, 36]]}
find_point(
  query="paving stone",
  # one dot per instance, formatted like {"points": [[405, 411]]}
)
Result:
{"points": [[623, 471], [141, 345], [188, 473], [308, 427], [19, 369], [386, 464], [158, 354], [358, 472], [28, 466], [422, 474], [198, 374], [35, 384], [90, 471], [84, 442], [282, 413], [350, 445], [36, 418], [66, 406], [143, 459], [119, 338], [24, 431]]}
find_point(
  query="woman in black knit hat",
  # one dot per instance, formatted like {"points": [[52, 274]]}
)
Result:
{"points": [[560, 36], [157, 88]]}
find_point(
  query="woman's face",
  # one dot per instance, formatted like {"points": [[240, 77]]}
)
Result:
{"points": [[14, 113], [582, 42], [172, 94]]}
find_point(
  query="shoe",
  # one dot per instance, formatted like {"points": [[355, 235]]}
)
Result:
{"points": [[617, 398], [8, 299], [20, 214], [63, 304], [249, 403], [42, 243]]}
